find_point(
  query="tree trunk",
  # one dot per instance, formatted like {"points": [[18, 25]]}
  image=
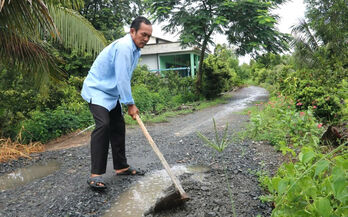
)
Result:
{"points": [[201, 59]]}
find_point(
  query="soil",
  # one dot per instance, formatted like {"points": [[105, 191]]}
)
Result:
{"points": [[65, 192]]}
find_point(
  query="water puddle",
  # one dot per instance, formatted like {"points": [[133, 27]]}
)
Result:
{"points": [[141, 196], [23, 176], [199, 173]]}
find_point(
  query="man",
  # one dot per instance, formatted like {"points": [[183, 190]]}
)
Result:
{"points": [[107, 85]]}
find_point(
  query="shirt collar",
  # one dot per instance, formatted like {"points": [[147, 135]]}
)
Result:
{"points": [[135, 48]]}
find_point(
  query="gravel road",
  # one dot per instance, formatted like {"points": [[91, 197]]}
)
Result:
{"points": [[60, 188]]}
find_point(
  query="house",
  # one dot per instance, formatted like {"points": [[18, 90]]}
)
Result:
{"points": [[161, 55]]}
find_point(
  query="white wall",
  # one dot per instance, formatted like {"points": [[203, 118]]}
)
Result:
{"points": [[150, 61]]}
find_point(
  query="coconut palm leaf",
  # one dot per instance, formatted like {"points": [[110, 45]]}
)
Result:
{"points": [[76, 31], [28, 55], [306, 44], [26, 25], [304, 33]]}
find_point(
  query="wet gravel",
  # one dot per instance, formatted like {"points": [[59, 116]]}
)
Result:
{"points": [[65, 192]]}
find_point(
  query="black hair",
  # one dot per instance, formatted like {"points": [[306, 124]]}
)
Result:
{"points": [[137, 22]]}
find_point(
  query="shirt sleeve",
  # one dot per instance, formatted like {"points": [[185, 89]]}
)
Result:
{"points": [[123, 74]]}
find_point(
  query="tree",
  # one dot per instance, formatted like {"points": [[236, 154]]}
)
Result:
{"points": [[109, 16], [27, 27], [322, 33], [248, 24]]}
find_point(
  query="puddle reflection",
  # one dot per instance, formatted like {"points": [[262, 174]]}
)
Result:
{"points": [[25, 175]]}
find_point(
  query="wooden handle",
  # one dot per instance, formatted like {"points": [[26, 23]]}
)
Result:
{"points": [[162, 159]]}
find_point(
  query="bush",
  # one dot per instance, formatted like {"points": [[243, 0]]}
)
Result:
{"points": [[279, 123], [50, 124], [146, 100], [312, 183], [316, 185], [327, 103], [154, 93], [217, 77]]}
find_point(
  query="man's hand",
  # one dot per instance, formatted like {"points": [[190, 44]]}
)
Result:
{"points": [[133, 111]]}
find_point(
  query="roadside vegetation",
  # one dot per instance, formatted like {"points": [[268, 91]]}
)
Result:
{"points": [[305, 118]]}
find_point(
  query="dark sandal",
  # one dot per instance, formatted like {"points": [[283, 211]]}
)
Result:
{"points": [[131, 172], [96, 182]]}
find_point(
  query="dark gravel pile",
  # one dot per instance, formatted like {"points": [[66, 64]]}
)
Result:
{"points": [[65, 192]]}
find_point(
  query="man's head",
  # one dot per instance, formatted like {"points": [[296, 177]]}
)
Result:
{"points": [[140, 31]]}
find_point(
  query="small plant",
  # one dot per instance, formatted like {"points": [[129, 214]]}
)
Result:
{"points": [[219, 144]]}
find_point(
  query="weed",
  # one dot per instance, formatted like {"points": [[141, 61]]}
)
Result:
{"points": [[219, 145]]}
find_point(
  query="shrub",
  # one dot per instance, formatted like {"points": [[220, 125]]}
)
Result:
{"points": [[217, 77], [315, 185], [280, 124], [46, 125], [146, 100], [327, 104]]}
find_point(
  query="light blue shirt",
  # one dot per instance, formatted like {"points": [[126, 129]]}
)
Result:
{"points": [[109, 78]]}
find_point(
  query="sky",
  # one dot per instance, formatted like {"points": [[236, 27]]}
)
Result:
{"points": [[289, 14]]}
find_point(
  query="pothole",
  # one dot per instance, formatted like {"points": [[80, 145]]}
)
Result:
{"points": [[23, 176], [141, 196]]}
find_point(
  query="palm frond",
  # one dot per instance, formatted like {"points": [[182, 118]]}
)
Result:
{"points": [[304, 33], [72, 4], [26, 17], [28, 55], [76, 31]]}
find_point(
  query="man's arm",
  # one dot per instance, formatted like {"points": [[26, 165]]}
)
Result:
{"points": [[123, 66], [123, 62]]}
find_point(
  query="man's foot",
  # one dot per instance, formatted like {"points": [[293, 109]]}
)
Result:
{"points": [[96, 182], [129, 171]]}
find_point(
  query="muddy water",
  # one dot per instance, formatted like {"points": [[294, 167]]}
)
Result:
{"points": [[23, 176], [141, 196]]}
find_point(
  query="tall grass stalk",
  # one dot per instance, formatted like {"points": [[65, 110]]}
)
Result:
{"points": [[219, 145]]}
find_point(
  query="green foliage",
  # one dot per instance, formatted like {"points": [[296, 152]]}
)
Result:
{"points": [[219, 73], [75, 63], [154, 93], [142, 75], [281, 124], [316, 185], [328, 19], [109, 17], [146, 100], [46, 125], [219, 144], [312, 183], [20, 99], [326, 100], [321, 88], [27, 27], [249, 25]]}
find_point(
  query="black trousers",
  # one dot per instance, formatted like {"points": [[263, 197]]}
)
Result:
{"points": [[109, 128]]}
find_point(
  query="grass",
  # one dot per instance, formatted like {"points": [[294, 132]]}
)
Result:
{"points": [[12, 150]]}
